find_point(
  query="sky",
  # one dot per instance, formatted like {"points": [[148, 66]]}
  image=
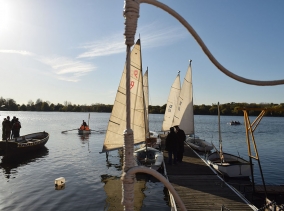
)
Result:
{"points": [[74, 51]]}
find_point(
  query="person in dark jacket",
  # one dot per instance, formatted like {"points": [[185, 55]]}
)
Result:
{"points": [[172, 146], [16, 128], [12, 123], [3, 130], [8, 127], [181, 139]]}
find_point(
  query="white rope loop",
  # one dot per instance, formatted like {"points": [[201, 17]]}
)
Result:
{"points": [[206, 50], [146, 170], [131, 15]]}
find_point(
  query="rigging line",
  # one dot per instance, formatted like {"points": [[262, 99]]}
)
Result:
{"points": [[206, 50]]}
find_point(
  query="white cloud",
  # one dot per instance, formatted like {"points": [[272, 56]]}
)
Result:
{"points": [[24, 53], [68, 69], [64, 68], [156, 36]]}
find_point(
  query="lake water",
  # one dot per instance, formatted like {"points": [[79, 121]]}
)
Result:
{"points": [[92, 182]]}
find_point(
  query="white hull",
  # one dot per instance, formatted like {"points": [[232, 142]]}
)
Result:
{"points": [[155, 140], [151, 157], [199, 144], [232, 167]]}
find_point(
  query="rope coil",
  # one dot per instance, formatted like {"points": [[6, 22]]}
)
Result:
{"points": [[131, 15]]}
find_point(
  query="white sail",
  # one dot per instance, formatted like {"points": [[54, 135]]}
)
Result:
{"points": [[146, 99], [171, 104], [184, 113], [117, 123]]}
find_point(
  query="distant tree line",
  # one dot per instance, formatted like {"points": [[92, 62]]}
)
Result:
{"points": [[227, 109]]}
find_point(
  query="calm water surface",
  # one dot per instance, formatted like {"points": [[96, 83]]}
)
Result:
{"points": [[92, 182]]}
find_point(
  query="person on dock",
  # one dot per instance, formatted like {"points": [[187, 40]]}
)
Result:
{"points": [[8, 127], [16, 128], [3, 130], [172, 146], [12, 123], [180, 139]]}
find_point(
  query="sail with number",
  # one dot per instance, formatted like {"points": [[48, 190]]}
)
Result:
{"points": [[114, 138], [171, 104], [184, 113]]}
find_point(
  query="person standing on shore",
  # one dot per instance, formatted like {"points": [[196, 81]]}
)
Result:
{"points": [[181, 139], [3, 130], [172, 146]]}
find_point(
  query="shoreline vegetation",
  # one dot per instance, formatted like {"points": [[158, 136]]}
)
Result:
{"points": [[227, 109]]}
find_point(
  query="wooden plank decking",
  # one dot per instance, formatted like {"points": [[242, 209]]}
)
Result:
{"points": [[199, 187]]}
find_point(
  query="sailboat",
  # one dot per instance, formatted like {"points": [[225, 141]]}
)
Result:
{"points": [[171, 104], [184, 117], [114, 138], [228, 164]]}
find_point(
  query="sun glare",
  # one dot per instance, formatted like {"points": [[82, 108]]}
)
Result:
{"points": [[6, 16]]}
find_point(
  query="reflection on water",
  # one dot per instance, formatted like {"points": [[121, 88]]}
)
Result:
{"points": [[115, 159], [9, 163], [113, 189], [84, 138]]}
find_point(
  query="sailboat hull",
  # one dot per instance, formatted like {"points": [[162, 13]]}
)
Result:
{"points": [[232, 167], [199, 144], [149, 157]]}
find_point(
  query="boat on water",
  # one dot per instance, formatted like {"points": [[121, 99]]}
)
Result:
{"points": [[199, 144], [180, 111], [114, 138], [234, 123], [29, 142], [85, 129], [150, 157], [227, 164]]}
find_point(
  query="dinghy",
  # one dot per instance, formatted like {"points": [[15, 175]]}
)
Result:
{"points": [[227, 164], [30, 142]]}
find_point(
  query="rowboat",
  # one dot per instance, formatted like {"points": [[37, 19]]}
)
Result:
{"points": [[29, 142], [83, 132], [85, 128]]}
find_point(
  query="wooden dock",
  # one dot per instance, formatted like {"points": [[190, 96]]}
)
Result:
{"points": [[200, 188]]}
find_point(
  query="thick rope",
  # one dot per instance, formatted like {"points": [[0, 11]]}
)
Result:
{"points": [[143, 169], [206, 50], [127, 179], [131, 15]]}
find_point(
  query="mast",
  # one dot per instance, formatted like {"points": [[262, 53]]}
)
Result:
{"points": [[220, 138], [192, 101], [146, 101]]}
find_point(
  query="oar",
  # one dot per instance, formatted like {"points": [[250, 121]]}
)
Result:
{"points": [[68, 130]]}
